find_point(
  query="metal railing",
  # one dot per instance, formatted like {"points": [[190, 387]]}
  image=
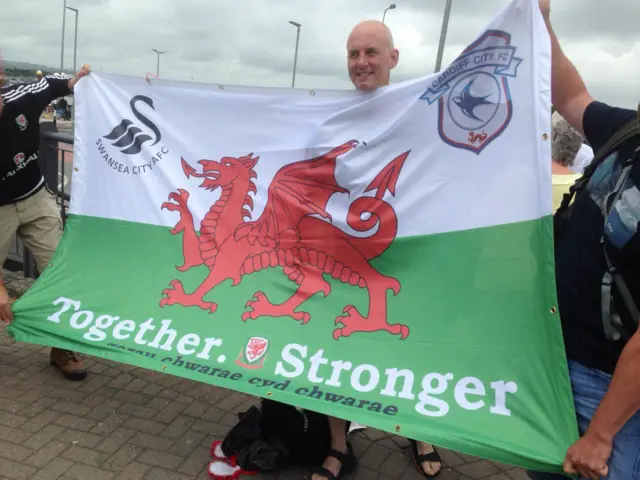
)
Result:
{"points": [[56, 162]]}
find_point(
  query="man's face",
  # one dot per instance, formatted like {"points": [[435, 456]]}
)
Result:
{"points": [[370, 56]]}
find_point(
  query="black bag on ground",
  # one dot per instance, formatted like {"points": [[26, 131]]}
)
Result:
{"points": [[304, 433], [278, 435]]}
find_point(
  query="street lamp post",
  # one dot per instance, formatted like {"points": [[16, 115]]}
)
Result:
{"points": [[64, 17], [158, 64], [443, 34], [390, 7], [75, 40], [295, 58]]}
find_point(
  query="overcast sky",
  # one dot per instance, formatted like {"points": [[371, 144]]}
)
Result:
{"points": [[250, 42]]}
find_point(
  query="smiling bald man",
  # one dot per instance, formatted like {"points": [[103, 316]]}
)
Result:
{"points": [[371, 55]]}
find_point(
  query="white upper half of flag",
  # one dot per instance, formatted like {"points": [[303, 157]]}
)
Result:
{"points": [[477, 133]]}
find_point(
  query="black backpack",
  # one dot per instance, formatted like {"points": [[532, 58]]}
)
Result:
{"points": [[612, 323]]}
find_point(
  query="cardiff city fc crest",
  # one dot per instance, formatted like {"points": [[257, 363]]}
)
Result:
{"points": [[254, 353], [474, 102]]}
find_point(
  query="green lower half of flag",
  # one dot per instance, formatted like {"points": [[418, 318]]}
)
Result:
{"points": [[481, 369]]}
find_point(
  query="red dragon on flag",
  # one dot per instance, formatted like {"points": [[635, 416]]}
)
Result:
{"points": [[289, 235]]}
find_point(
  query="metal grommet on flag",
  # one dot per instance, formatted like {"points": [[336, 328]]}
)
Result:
{"points": [[221, 87], [397, 428], [553, 310], [312, 92], [545, 136], [75, 169]]}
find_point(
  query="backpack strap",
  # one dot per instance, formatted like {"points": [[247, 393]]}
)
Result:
{"points": [[611, 320]]}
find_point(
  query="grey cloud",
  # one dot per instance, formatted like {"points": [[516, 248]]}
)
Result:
{"points": [[250, 42], [597, 19]]}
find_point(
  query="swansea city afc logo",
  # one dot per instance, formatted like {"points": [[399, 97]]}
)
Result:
{"points": [[474, 101]]}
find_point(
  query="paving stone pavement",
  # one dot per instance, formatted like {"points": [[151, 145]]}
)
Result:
{"points": [[127, 423]]}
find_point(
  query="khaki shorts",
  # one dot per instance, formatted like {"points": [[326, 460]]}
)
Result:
{"points": [[37, 222]]}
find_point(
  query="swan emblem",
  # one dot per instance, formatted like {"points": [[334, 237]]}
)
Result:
{"points": [[127, 136]]}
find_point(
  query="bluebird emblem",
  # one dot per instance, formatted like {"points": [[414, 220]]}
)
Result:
{"points": [[468, 103], [473, 97]]}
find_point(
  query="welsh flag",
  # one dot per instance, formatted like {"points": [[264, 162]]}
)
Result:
{"points": [[383, 257]]}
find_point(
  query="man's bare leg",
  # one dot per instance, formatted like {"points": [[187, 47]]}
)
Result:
{"points": [[430, 468], [338, 429], [6, 316]]}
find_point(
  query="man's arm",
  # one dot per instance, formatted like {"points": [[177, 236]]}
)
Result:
{"points": [[36, 96], [41, 93], [590, 454], [85, 70], [568, 92]]}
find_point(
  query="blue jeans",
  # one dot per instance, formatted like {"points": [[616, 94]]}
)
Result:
{"points": [[589, 387]]}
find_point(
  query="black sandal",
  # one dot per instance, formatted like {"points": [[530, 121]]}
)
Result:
{"points": [[348, 461], [418, 459]]}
